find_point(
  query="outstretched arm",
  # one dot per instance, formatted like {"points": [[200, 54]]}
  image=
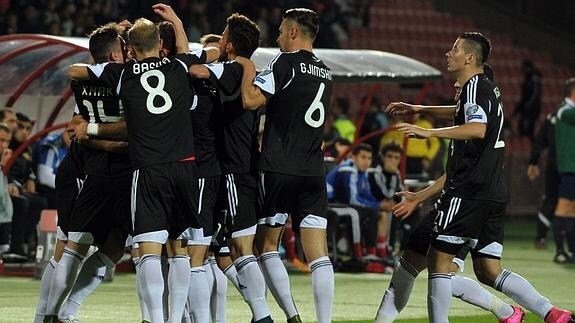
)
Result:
{"points": [[252, 96], [468, 131], [402, 108]]}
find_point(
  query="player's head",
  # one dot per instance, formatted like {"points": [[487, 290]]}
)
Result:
{"points": [[362, 156], [8, 117], [341, 146], [240, 38], [144, 39], [106, 45], [5, 136], [168, 37], [570, 88], [210, 40], [391, 156], [298, 23], [471, 49]]}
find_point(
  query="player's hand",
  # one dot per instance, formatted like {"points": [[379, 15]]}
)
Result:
{"points": [[125, 23], [405, 208], [13, 190], [78, 129], [166, 12], [413, 131], [401, 108], [6, 154], [533, 172]]}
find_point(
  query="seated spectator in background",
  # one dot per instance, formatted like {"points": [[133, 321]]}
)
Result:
{"points": [[8, 117], [385, 180], [420, 152], [348, 184], [48, 154], [5, 201], [342, 126], [27, 204]]}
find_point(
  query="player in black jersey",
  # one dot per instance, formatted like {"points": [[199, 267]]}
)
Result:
{"points": [[471, 208], [296, 88], [239, 155], [414, 258], [86, 223], [156, 96]]}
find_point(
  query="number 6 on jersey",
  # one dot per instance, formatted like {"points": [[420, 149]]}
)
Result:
{"points": [[316, 105]]}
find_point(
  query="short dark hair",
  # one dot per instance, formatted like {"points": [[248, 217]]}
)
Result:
{"points": [[22, 117], [306, 18], [488, 71], [102, 41], [392, 146], [4, 111], [478, 44], [361, 147], [210, 38], [244, 34], [569, 86], [168, 36]]}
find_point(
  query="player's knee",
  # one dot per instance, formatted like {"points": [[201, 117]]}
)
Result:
{"points": [[485, 276]]}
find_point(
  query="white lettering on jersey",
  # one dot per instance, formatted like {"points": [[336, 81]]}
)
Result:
{"points": [[315, 70]]}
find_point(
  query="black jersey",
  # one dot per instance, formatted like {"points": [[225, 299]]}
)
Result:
{"points": [[475, 167], [157, 97], [384, 184], [206, 121], [240, 126], [298, 87], [98, 103]]}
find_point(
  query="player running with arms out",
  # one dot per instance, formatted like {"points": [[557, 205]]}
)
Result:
{"points": [[156, 96], [472, 205], [296, 89]]}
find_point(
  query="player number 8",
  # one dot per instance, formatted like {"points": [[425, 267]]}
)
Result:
{"points": [[153, 92], [316, 105]]}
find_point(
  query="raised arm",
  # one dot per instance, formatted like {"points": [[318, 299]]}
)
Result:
{"points": [[168, 14], [252, 96]]}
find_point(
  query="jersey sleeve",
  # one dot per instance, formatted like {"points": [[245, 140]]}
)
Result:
{"points": [[477, 104], [194, 57], [107, 73], [276, 76], [226, 76]]}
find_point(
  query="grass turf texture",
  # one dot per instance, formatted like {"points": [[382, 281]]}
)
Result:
{"points": [[356, 300]]}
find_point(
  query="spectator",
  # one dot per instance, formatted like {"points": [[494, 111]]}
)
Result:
{"points": [[5, 201], [529, 106], [27, 204], [374, 120], [385, 181], [349, 184], [336, 148], [48, 154]]}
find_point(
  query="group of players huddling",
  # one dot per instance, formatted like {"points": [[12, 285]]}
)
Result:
{"points": [[166, 156]]}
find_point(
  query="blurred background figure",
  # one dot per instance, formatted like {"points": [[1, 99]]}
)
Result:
{"points": [[527, 110]]}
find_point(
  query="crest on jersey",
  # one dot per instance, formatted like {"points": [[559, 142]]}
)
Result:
{"points": [[470, 108]]}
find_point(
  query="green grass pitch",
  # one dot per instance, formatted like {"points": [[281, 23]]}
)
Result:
{"points": [[356, 300]]}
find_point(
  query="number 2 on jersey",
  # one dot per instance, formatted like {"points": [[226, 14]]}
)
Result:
{"points": [[153, 92], [500, 143], [316, 105]]}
